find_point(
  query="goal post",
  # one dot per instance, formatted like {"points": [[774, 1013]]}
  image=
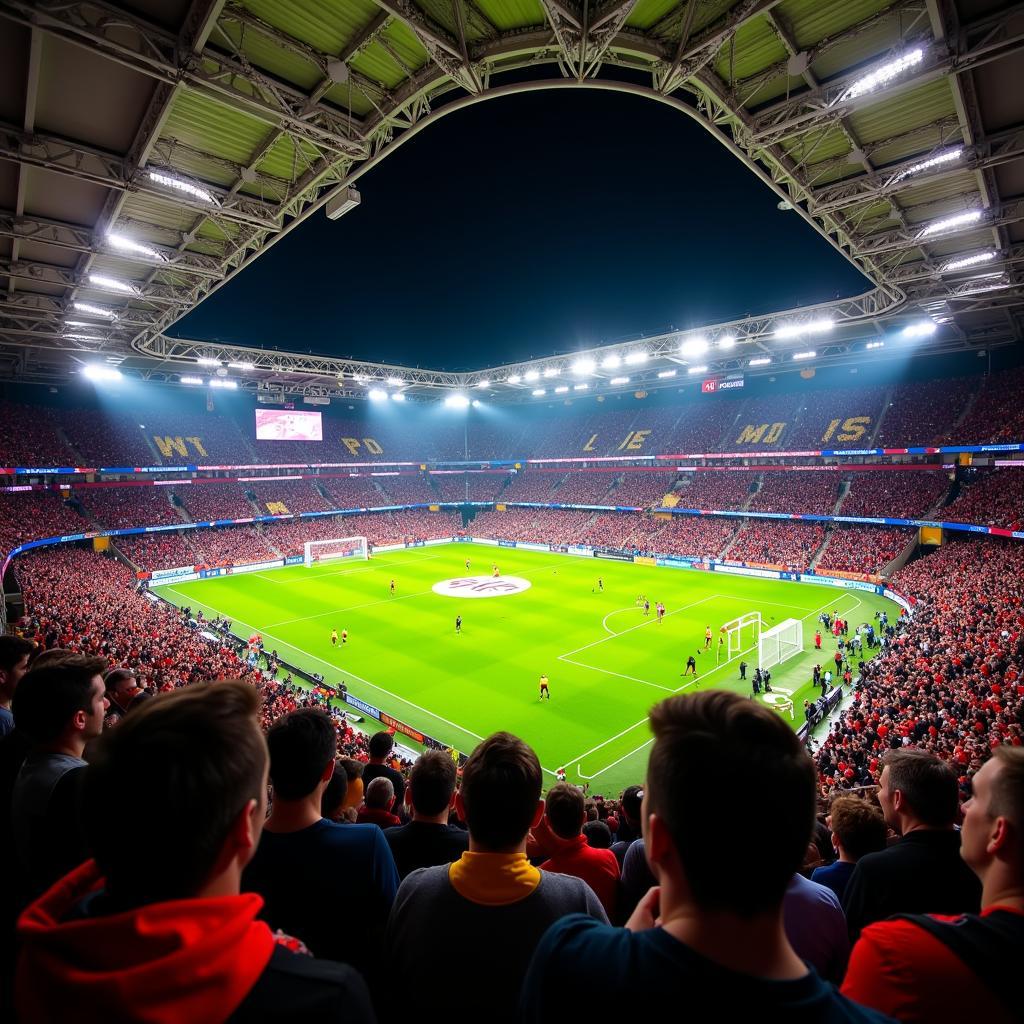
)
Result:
{"points": [[318, 551], [780, 643], [742, 634]]}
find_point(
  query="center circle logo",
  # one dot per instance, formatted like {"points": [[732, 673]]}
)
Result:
{"points": [[481, 586]]}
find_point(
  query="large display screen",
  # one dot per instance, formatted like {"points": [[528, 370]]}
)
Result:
{"points": [[288, 425]]}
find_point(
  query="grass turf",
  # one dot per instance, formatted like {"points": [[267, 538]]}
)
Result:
{"points": [[607, 662]]}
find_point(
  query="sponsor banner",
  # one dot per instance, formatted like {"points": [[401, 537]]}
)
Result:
{"points": [[644, 560], [401, 727], [361, 705], [168, 574], [709, 386], [906, 603], [187, 577], [731, 384], [830, 581], [746, 570], [506, 543], [481, 586], [530, 546], [255, 566], [294, 560], [842, 574], [220, 570], [580, 550], [614, 556], [560, 549]]}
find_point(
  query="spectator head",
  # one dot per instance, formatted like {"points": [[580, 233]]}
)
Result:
{"points": [[916, 788], [381, 744], [719, 758], [52, 657], [62, 703], [181, 783], [353, 770], [302, 746], [599, 835], [121, 687], [431, 787], [380, 794], [857, 827], [332, 800], [564, 810], [632, 797], [992, 837], [500, 796], [14, 654]]}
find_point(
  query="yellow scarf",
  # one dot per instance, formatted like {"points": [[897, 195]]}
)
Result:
{"points": [[493, 879]]}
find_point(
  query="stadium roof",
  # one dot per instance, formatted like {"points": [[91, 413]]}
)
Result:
{"points": [[210, 129]]}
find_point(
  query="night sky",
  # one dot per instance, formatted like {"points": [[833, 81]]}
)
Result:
{"points": [[527, 226]]}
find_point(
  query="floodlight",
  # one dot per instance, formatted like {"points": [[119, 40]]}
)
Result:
{"points": [[242, 366], [531, 375], [561, 390], [611, 362], [551, 371], [969, 261], [514, 379], [798, 330], [128, 245], [926, 165], [759, 361], [179, 185], [694, 346], [664, 374], [922, 329], [377, 395], [208, 361], [220, 382], [395, 382], [697, 369], [580, 387], [727, 341], [88, 307], [584, 366], [537, 392], [635, 358], [191, 380], [112, 284], [398, 396], [100, 373], [77, 336], [883, 75], [457, 401], [810, 354], [477, 403], [873, 345], [483, 384], [619, 380], [938, 227]]}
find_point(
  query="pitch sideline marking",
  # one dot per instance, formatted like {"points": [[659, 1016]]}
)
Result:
{"points": [[618, 611]]}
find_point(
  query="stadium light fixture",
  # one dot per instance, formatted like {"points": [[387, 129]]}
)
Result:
{"points": [[129, 245], [242, 366], [694, 347], [760, 361], [538, 392], [562, 389], [483, 384], [477, 403], [100, 373], [180, 185], [80, 323], [88, 307], [727, 341], [377, 395], [926, 165], [619, 380], [398, 396], [191, 380], [580, 387], [939, 227], [871, 345], [985, 283], [818, 326], [665, 374], [883, 75], [112, 284], [514, 379], [226, 385], [809, 354], [396, 382], [611, 362], [922, 329], [584, 366], [969, 261], [457, 401], [697, 369], [551, 371], [78, 336], [636, 358], [208, 361], [531, 375]]}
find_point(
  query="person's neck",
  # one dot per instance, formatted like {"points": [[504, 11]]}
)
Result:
{"points": [[430, 819], [476, 847], [72, 745], [908, 825], [294, 815], [748, 945], [376, 760], [999, 890]]}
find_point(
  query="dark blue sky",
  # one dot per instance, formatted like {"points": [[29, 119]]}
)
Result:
{"points": [[526, 226]]}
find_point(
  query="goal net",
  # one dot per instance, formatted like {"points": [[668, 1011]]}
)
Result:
{"points": [[316, 551], [780, 643], [741, 634]]}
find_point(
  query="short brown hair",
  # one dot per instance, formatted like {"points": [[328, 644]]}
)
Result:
{"points": [[432, 782], [858, 825], [719, 758], [164, 788], [1007, 800], [501, 785], [564, 808], [928, 785]]}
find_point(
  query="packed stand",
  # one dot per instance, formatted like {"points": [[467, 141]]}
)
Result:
{"points": [[813, 491], [121, 508], [152, 551], [866, 549], [408, 489], [106, 437], [921, 413], [355, 492], [599, 433], [894, 493], [531, 485], [231, 545], [996, 415], [702, 427], [585, 488], [764, 423], [197, 438], [29, 437], [627, 531], [295, 495], [775, 542], [33, 515], [206, 502], [696, 536], [993, 498], [643, 490], [483, 486], [837, 418], [541, 525], [720, 491]]}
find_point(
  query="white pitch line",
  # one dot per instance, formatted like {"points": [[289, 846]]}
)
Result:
{"points": [[609, 672], [607, 767], [604, 621]]}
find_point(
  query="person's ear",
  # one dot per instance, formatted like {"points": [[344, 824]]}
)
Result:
{"points": [[999, 836], [538, 814]]}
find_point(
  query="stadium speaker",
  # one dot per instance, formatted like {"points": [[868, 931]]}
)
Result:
{"points": [[347, 199]]}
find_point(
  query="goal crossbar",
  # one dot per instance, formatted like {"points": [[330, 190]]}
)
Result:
{"points": [[780, 643], [741, 634]]}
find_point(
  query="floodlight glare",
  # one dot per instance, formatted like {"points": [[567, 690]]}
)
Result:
{"points": [[727, 341], [531, 375], [457, 401], [377, 395], [128, 245], [100, 373], [561, 390], [398, 396], [395, 382], [883, 75], [483, 384], [220, 382], [819, 326], [514, 379], [922, 329], [694, 347], [926, 165], [242, 366], [938, 227], [804, 355], [634, 358], [760, 361], [81, 337], [208, 361], [873, 345], [168, 181], [664, 374], [551, 371], [580, 387], [477, 403], [192, 380], [619, 380], [88, 307], [697, 369], [538, 392], [112, 284], [611, 362], [584, 366], [970, 261]]}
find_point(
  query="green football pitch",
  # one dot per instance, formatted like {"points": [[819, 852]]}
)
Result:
{"points": [[607, 662]]}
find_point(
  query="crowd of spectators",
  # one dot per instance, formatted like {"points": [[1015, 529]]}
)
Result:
{"points": [[484, 486], [644, 490], [775, 542], [813, 491], [32, 515], [542, 525], [408, 488], [121, 508], [996, 414], [727, 490], [865, 549], [531, 485], [206, 501], [769, 419], [167, 550], [231, 545], [295, 495], [29, 437], [355, 492], [896, 493], [695, 536], [585, 489], [921, 413], [823, 413], [108, 437], [993, 498], [700, 427]]}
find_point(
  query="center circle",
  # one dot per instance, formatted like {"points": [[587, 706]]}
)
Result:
{"points": [[481, 586]]}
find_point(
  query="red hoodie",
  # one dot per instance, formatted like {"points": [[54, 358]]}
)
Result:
{"points": [[183, 960]]}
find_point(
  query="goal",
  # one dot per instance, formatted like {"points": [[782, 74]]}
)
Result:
{"points": [[741, 634], [780, 643], [316, 551]]}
